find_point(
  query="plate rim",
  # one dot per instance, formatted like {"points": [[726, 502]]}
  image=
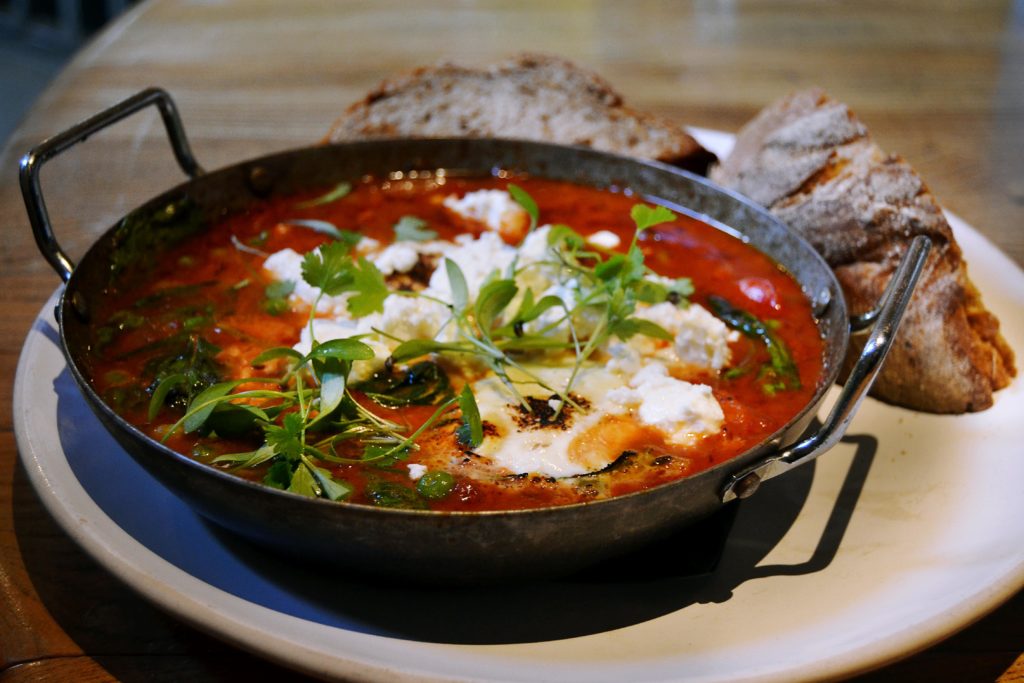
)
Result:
{"points": [[196, 602]]}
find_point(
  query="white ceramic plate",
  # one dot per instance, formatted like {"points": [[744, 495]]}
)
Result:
{"points": [[910, 529]]}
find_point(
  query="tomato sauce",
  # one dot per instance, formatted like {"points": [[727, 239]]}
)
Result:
{"points": [[203, 307]]}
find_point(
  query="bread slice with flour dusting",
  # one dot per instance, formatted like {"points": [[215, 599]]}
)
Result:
{"points": [[813, 164], [529, 97]]}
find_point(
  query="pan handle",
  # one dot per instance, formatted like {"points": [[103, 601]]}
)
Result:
{"points": [[885, 319], [31, 163]]}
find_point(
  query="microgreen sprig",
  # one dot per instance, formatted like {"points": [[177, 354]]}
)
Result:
{"points": [[308, 412]]}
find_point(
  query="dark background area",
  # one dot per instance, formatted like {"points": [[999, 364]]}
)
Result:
{"points": [[37, 37]]}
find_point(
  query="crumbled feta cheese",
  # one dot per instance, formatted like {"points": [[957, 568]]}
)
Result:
{"points": [[287, 265], [367, 245], [624, 358], [402, 318], [701, 339], [416, 470], [412, 318], [535, 248], [477, 259], [682, 410], [400, 257], [492, 208], [568, 292], [633, 381], [605, 239]]}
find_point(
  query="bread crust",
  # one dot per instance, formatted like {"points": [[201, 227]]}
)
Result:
{"points": [[812, 163], [532, 97]]}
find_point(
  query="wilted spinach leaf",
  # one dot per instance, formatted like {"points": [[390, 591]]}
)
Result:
{"points": [[423, 383]]}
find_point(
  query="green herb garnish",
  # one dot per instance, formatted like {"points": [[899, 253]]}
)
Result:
{"points": [[324, 227], [391, 495], [275, 301], [523, 199], [780, 373], [423, 383], [340, 191], [143, 235], [188, 369], [435, 485], [309, 419], [471, 433], [413, 229]]}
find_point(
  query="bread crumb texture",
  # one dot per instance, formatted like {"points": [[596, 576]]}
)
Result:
{"points": [[813, 164], [530, 97]]}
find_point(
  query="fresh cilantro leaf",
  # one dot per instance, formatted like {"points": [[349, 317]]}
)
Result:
{"points": [[648, 216], [413, 229], [651, 292], [331, 269], [286, 440], [279, 476], [303, 483], [330, 486], [370, 288], [328, 268], [610, 269], [634, 269]]}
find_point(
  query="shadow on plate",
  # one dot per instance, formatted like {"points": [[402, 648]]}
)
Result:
{"points": [[652, 582], [704, 563]]}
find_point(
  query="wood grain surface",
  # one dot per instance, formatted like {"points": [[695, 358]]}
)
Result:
{"points": [[942, 83]]}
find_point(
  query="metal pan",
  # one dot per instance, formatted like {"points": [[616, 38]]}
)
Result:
{"points": [[462, 547]]}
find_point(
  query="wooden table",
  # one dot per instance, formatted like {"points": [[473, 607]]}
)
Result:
{"points": [[941, 84]]}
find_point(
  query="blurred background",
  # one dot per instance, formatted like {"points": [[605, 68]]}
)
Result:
{"points": [[36, 38]]}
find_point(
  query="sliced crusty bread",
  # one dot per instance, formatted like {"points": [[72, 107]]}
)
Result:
{"points": [[812, 163], [529, 97]]}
